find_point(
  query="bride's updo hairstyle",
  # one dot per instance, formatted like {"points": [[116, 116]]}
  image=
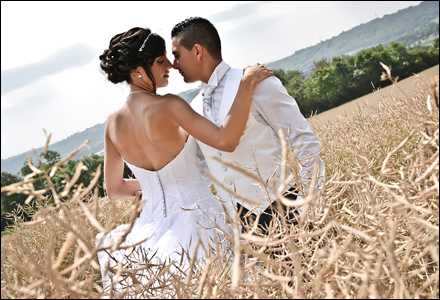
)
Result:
{"points": [[129, 50]]}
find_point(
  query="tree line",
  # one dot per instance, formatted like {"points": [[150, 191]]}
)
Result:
{"points": [[331, 83], [345, 78], [10, 203]]}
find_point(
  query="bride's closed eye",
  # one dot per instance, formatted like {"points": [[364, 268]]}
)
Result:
{"points": [[160, 59]]}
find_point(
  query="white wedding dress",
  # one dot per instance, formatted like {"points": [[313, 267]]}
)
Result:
{"points": [[179, 208]]}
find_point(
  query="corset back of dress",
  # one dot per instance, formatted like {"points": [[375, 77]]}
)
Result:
{"points": [[173, 188]]}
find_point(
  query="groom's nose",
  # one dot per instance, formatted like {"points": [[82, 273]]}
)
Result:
{"points": [[175, 64]]}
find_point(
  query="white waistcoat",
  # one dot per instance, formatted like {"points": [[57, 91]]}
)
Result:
{"points": [[258, 150]]}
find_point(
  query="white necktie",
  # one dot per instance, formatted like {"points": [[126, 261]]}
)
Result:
{"points": [[207, 103]]}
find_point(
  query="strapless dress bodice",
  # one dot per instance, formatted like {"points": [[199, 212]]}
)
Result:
{"points": [[178, 185]]}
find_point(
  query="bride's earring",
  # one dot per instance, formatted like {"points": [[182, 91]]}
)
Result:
{"points": [[140, 75]]}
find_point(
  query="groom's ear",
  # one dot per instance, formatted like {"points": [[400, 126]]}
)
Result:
{"points": [[198, 51]]}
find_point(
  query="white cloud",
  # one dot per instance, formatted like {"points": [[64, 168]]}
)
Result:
{"points": [[71, 57]]}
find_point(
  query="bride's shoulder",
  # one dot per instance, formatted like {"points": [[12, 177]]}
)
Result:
{"points": [[112, 116], [115, 116], [170, 96], [172, 99], [111, 119]]}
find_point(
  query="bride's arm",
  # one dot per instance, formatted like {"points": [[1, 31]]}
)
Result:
{"points": [[117, 187], [226, 137]]}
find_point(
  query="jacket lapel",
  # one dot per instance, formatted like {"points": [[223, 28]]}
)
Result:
{"points": [[229, 93]]}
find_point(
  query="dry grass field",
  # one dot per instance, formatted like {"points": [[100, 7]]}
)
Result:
{"points": [[371, 231]]}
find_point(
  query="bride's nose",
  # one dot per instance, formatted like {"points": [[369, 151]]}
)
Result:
{"points": [[169, 65]]}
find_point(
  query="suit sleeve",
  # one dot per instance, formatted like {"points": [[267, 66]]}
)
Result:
{"points": [[279, 110]]}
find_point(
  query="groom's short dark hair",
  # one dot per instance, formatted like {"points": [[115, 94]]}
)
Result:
{"points": [[197, 30]]}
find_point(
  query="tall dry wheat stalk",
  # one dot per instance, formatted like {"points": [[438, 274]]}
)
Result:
{"points": [[370, 232]]}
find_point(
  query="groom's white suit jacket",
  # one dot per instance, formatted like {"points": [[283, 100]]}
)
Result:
{"points": [[259, 149]]}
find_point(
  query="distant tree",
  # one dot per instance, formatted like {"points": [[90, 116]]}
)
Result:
{"points": [[9, 202], [434, 45], [320, 90], [400, 59], [368, 69], [321, 64], [51, 157], [433, 53], [420, 59], [295, 84], [26, 170], [343, 70], [281, 75], [92, 162], [293, 81]]}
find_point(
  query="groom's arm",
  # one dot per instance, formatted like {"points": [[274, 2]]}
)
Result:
{"points": [[274, 107]]}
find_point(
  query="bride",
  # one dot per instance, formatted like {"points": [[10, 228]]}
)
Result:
{"points": [[154, 135]]}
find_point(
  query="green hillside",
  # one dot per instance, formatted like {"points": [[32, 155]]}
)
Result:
{"points": [[96, 145], [410, 25]]}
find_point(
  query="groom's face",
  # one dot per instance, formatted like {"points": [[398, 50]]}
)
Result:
{"points": [[185, 61]]}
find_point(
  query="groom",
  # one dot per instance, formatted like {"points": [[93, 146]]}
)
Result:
{"points": [[197, 54]]}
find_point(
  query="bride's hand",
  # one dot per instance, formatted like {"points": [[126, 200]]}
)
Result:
{"points": [[256, 73], [137, 199]]}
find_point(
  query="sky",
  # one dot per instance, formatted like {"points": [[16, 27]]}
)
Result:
{"points": [[50, 76]]}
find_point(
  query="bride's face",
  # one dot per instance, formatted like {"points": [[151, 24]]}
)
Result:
{"points": [[161, 70]]}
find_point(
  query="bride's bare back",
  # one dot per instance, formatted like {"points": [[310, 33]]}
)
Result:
{"points": [[144, 133]]}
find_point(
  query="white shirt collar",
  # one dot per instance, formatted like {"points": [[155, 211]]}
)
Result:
{"points": [[218, 73]]}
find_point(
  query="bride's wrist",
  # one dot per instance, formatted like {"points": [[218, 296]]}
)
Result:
{"points": [[248, 81]]}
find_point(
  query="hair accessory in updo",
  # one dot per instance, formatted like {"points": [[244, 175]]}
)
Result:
{"points": [[126, 52], [145, 41]]}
